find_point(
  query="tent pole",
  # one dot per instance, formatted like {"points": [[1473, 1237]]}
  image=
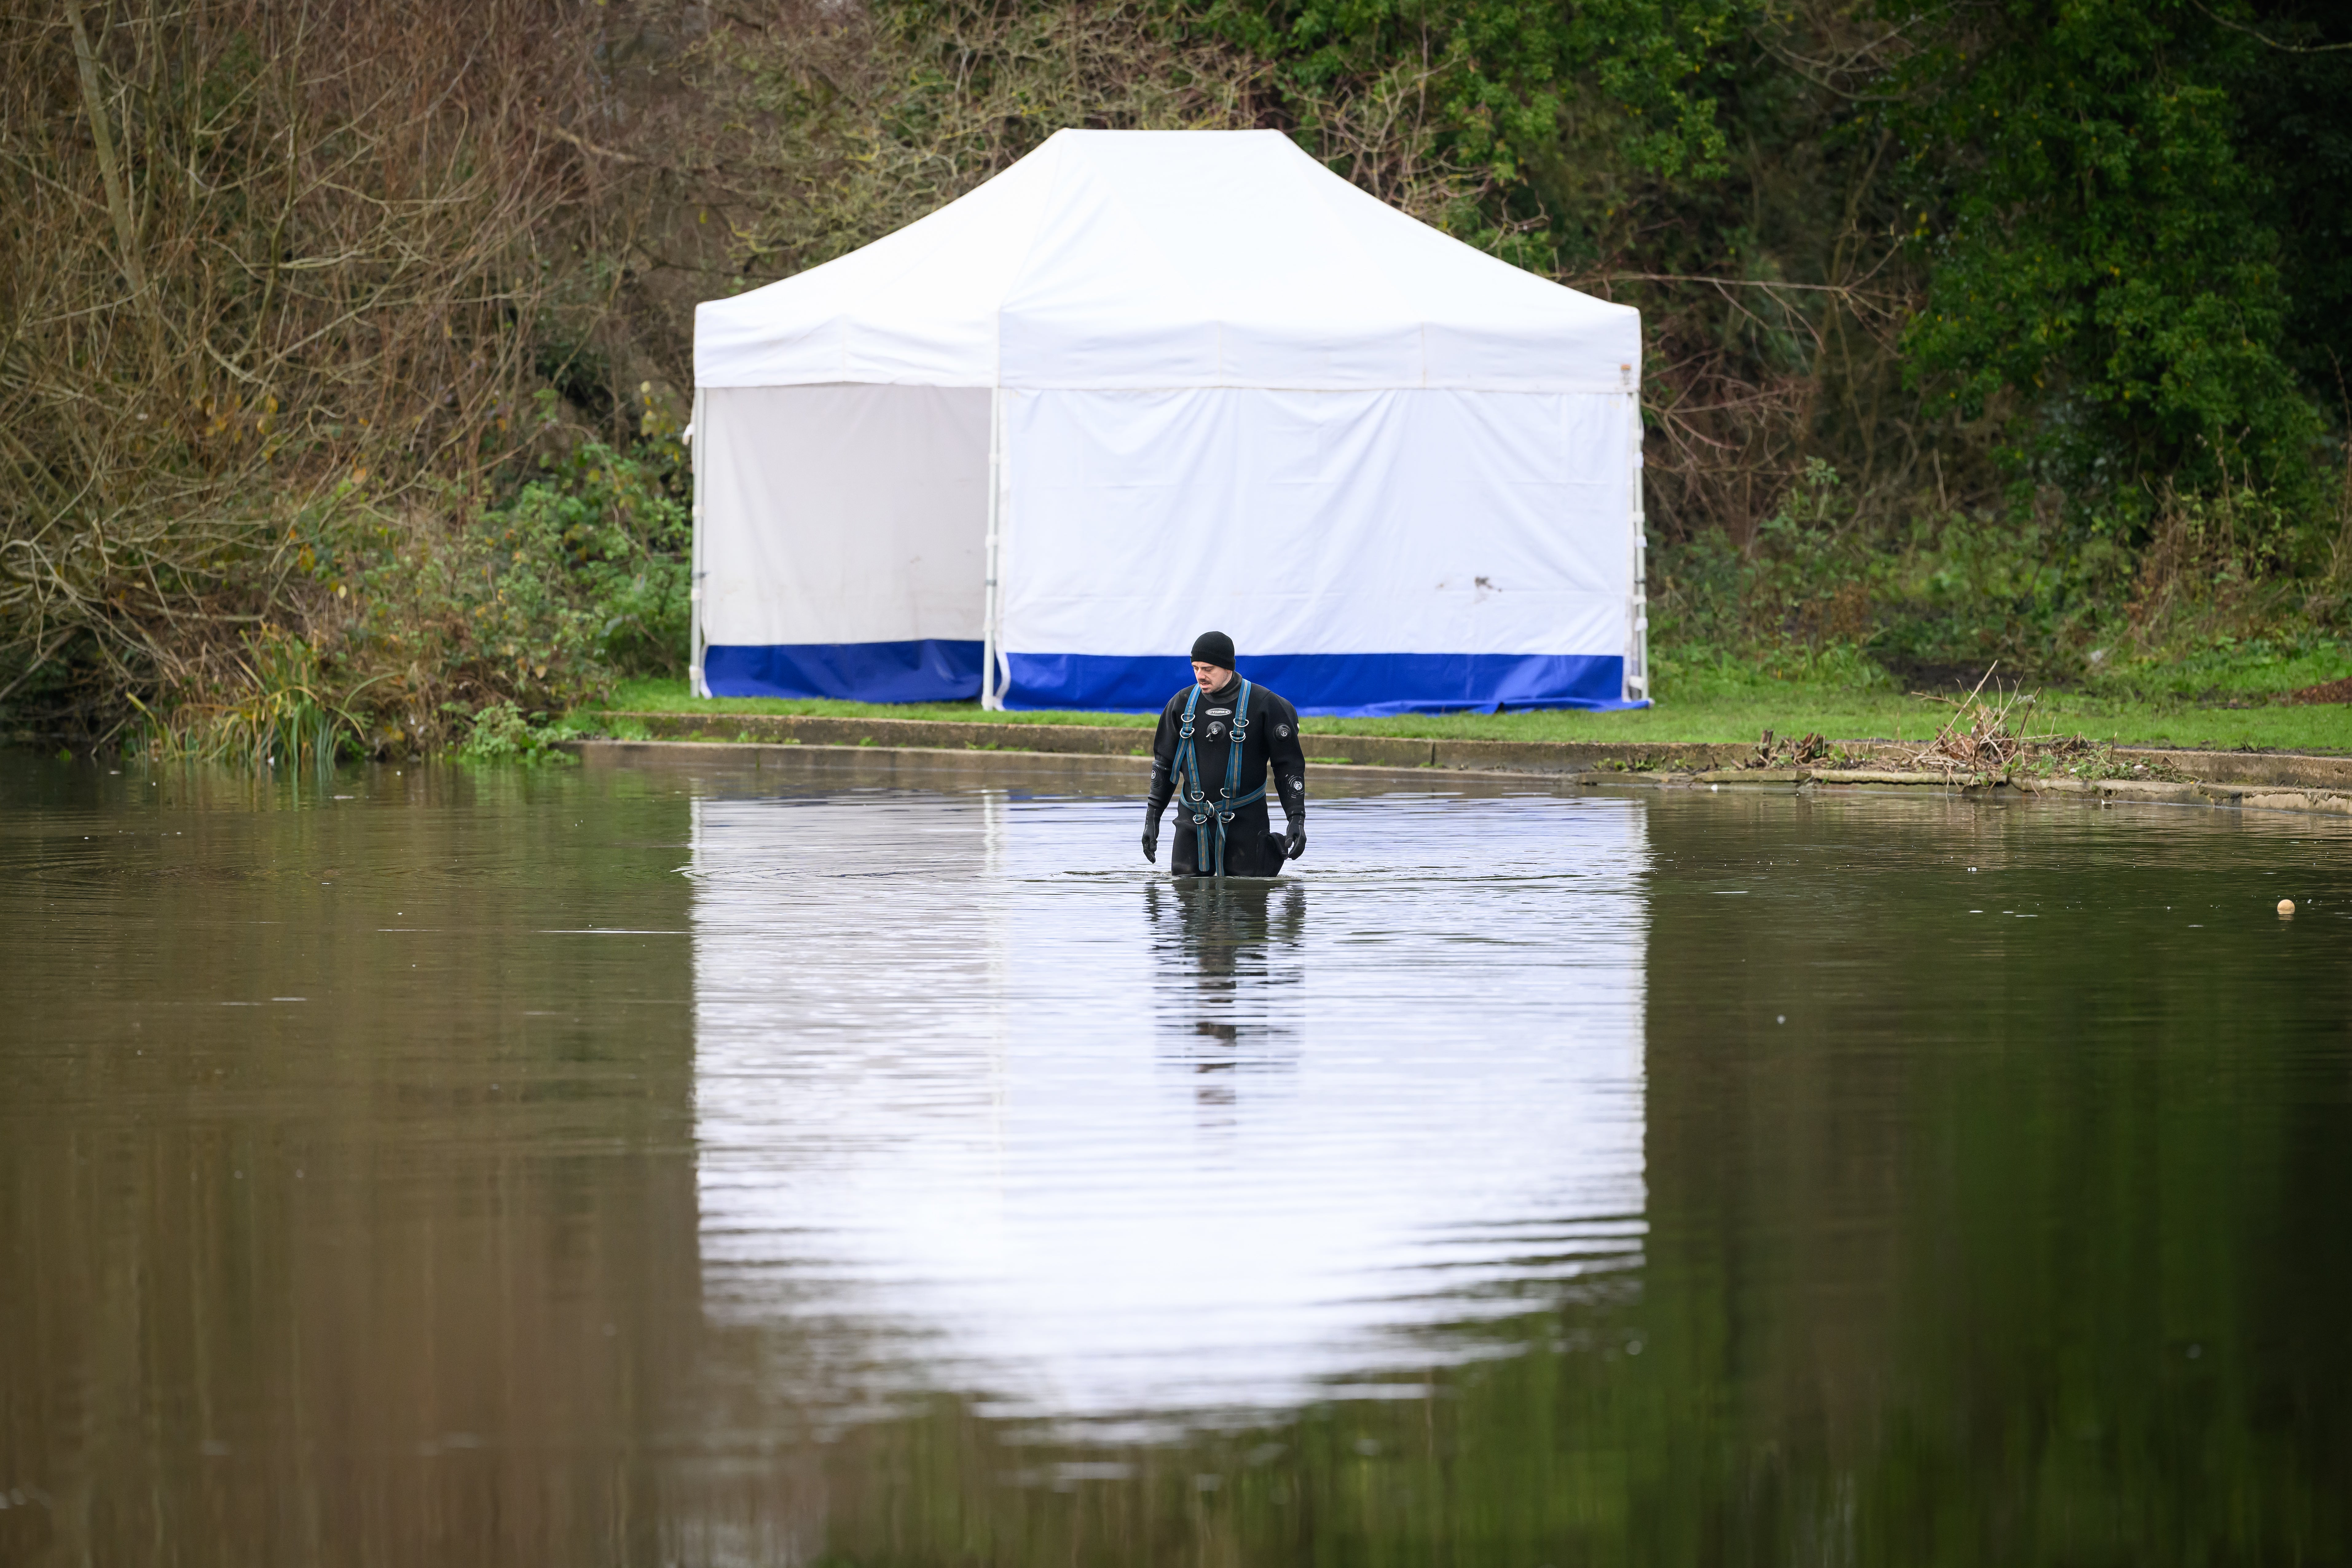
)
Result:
{"points": [[697, 438], [991, 696], [1638, 685]]}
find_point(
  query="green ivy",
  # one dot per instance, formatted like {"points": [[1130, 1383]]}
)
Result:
{"points": [[2103, 261]]}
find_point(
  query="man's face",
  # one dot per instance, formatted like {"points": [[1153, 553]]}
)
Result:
{"points": [[1210, 675]]}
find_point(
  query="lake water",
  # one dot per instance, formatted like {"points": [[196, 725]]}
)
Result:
{"points": [[837, 1164]]}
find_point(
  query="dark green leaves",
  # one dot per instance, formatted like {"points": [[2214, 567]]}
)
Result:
{"points": [[2103, 245]]}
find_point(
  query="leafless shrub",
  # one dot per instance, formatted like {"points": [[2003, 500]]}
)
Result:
{"points": [[263, 262], [851, 121], [1739, 371]]}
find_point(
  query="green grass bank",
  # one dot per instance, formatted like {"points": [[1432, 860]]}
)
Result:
{"points": [[2236, 699]]}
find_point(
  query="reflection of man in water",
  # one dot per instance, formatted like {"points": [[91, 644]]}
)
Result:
{"points": [[1227, 975], [1217, 738]]}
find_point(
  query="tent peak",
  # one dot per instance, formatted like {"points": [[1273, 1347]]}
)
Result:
{"points": [[1170, 259]]}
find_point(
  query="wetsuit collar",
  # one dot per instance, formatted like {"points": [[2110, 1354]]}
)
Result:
{"points": [[1232, 685]]}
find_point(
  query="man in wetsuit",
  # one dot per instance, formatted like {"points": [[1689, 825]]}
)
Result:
{"points": [[1217, 739]]}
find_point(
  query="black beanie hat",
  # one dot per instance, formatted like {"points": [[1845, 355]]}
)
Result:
{"points": [[1213, 647]]}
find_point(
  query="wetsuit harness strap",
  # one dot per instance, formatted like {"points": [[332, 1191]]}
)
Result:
{"points": [[1233, 751], [1211, 817], [1184, 772]]}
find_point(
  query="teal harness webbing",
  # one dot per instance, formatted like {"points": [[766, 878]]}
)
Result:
{"points": [[1209, 815]]}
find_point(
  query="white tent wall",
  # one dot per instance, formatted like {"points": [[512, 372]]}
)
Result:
{"points": [[1369, 552], [840, 540]]}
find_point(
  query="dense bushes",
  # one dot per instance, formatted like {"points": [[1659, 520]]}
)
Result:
{"points": [[2051, 595], [425, 615]]}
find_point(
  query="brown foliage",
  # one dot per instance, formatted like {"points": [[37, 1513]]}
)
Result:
{"points": [[263, 262]]}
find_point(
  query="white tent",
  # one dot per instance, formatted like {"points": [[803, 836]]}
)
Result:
{"points": [[1146, 383]]}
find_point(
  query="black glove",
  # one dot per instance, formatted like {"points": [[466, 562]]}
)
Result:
{"points": [[1294, 843], [1151, 839]]}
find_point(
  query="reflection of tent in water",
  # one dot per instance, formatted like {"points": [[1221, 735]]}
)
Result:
{"points": [[953, 1126], [1403, 473]]}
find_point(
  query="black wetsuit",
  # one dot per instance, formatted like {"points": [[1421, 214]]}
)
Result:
{"points": [[1270, 738]]}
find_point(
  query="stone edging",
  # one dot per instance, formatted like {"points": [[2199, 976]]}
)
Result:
{"points": [[2258, 796], [980, 765], [2253, 772]]}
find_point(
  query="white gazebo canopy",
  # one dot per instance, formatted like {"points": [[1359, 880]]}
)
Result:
{"points": [[1146, 382]]}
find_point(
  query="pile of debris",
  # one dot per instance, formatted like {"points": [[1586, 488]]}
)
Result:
{"points": [[1987, 739], [1984, 737]]}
